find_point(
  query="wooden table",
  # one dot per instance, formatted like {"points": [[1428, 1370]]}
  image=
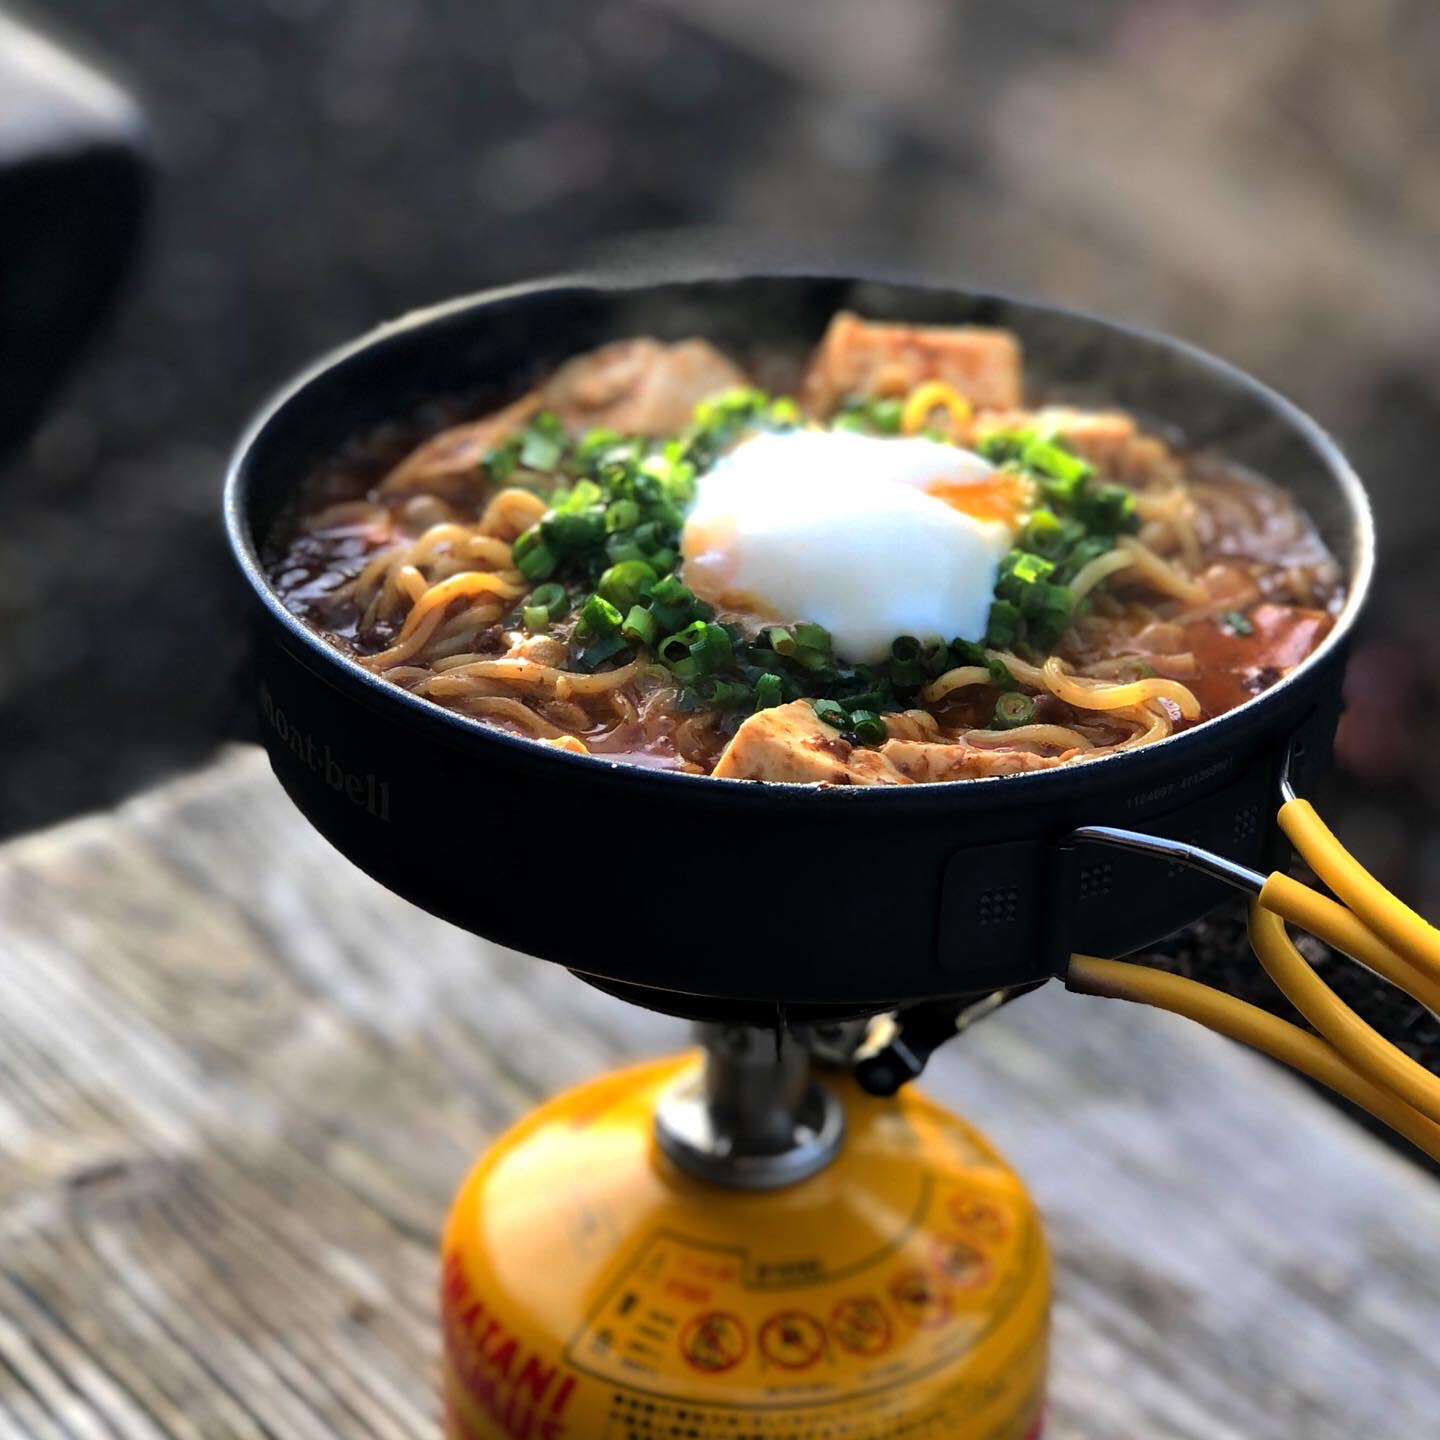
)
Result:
{"points": [[238, 1082]]}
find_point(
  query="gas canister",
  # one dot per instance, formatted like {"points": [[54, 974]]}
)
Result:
{"points": [[592, 1290]]}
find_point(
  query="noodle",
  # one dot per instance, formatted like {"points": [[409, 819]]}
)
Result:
{"points": [[1059, 737], [1164, 576], [1100, 568], [1097, 695], [1154, 724], [960, 678], [510, 512], [925, 399], [517, 671], [501, 707], [413, 571]]}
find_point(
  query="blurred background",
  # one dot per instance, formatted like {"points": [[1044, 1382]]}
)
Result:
{"points": [[1263, 180]]}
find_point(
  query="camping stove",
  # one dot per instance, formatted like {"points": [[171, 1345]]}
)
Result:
{"points": [[746, 1244]]}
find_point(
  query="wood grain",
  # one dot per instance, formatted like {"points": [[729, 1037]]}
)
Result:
{"points": [[238, 1083]]}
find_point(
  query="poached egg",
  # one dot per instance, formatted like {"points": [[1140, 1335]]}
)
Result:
{"points": [[872, 537]]}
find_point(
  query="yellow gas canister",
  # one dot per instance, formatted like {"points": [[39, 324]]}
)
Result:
{"points": [[594, 1290]]}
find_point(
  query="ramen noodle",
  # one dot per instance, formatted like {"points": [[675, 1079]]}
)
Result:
{"points": [[905, 571]]}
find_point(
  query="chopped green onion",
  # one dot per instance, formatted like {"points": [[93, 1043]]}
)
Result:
{"points": [[572, 531], [1047, 534], [536, 618], [500, 462], [869, 700], [782, 642], [1000, 675], [934, 660], [1003, 628], [621, 547], [1133, 668], [1055, 462], [812, 637], [670, 591], [596, 442], [1091, 548], [599, 617], [905, 647], [677, 646], [663, 559], [1027, 568], [867, 727], [965, 652], [1107, 509], [553, 598], [809, 659], [907, 674], [622, 514], [1001, 446], [723, 694], [768, 691], [626, 583], [599, 651], [638, 627], [1236, 623], [1012, 710], [885, 415], [831, 713], [689, 699], [539, 451], [537, 563], [668, 618], [712, 649]]}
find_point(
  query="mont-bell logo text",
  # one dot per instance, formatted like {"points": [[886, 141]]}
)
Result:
{"points": [[363, 791]]}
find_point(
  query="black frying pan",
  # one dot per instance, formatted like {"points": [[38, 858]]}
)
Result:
{"points": [[728, 898]]}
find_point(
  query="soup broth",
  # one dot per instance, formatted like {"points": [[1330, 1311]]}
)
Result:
{"points": [[906, 571]]}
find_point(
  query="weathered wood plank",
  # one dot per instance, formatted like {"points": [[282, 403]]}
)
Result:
{"points": [[238, 1083]]}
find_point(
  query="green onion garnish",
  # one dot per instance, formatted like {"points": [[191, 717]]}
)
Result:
{"points": [[622, 515], [1012, 710], [599, 651], [782, 642], [536, 618], [626, 583], [677, 647], [832, 713], [885, 415], [723, 694], [599, 617], [1004, 625], [539, 451], [1000, 675], [1236, 623], [867, 727], [552, 597], [768, 691], [813, 637], [537, 563], [638, 627]]}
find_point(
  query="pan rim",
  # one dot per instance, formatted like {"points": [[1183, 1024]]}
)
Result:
{"points": [[463, 730]]}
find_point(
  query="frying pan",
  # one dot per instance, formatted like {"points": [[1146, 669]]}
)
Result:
{"points": [[730, 899]]}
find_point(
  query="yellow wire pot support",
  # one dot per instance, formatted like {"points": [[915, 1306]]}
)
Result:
{"points": [[1365, 922]]}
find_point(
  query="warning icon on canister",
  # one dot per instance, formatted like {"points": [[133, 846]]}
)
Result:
{"points": [[919, 1300], [979, 1218], [861, 1326], [792, 1340], [965, 1267], [714, 1343]]}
